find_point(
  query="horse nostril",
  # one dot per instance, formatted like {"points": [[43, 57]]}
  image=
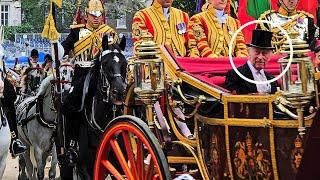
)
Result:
{"points": [[104, 89], [115, 91]]}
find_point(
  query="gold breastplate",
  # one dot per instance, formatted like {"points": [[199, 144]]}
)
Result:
{"points": [[297, 24], [89, 45]]}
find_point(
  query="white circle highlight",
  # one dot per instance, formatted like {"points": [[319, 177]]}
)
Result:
{"points": [[233, 39]]}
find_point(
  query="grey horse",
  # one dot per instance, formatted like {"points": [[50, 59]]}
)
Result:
{"points": [[36, 116]]}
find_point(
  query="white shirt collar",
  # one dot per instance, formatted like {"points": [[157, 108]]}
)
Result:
{"points": [[222, 17], [259, 76], [253, 69], [166, 13]]}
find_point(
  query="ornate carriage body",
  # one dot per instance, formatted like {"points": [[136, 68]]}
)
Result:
{"points": [[236, 136]]}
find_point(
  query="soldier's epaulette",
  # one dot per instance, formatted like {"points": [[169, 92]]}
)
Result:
{"points": [[73, 26], [307, 14], [263, 15]]}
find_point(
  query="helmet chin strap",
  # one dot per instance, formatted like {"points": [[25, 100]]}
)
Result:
{"points": [[286, 8]]}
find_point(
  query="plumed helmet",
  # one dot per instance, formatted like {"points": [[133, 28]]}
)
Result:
{"points": [[95, 8]]}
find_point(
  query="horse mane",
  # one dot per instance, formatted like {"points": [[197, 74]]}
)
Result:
{"points": [[44, 85]]}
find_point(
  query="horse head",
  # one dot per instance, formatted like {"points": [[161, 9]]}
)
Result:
{"points": [[113, 69], [66, 73], [34, 77]]}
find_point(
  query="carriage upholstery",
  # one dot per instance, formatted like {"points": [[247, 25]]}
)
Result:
{"points": [[213, 71]]}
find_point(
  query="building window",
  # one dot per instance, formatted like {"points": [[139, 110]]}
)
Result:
{"points": [[5, 15], [122, 22]]}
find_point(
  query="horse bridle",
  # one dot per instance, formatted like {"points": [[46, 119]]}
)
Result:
{"points": [[105, 86]]}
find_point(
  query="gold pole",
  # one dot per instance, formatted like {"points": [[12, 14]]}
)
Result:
{"points": [[149, 115], [301, 127], [304, 78]]}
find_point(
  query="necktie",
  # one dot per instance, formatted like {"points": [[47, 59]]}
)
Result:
{"points": [[222, 17]]}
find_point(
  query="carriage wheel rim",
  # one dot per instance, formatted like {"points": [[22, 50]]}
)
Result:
{"points": [[101, 164]]}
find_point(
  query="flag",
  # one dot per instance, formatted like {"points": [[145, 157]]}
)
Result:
{"points": [[256, 8], [49, 29]]}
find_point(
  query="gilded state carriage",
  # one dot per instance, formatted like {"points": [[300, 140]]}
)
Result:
{"points": [[255, 136]]}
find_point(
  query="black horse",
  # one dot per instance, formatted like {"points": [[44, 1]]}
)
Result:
{"points": [[105, 91]]}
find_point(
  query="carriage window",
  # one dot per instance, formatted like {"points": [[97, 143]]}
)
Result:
{"points": [[4, 15]]}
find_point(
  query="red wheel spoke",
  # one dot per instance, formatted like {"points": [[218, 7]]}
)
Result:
{"points": [[126, 139], [149, 171], [140, 159], [116, 148], [132, 156], [111, 169]]}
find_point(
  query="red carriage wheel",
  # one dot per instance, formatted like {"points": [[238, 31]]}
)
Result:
{"points": [[130, 145]]}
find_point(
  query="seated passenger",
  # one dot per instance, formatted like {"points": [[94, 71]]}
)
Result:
{"points": [[213, 29], [168, 26], [260, 52]]}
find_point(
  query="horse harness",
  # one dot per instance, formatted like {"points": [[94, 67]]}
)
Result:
{"points": [[3, 118], [38, 104], [105, 89]]}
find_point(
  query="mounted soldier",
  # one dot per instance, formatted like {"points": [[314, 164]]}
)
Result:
{"points": [[291, 20], [33, 75], [84, 44], [7, 99]]}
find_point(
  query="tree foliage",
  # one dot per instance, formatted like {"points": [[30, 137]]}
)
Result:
{"points": [[10, 31], [34, 12], [187, 6]]}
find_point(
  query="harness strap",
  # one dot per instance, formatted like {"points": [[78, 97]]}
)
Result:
{"points": [[40, 116], [85, 90], [91, 119], [24, 134], [3, 119]]}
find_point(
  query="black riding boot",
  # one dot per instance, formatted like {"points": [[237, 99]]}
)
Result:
{"points": [[9, 93], [16, 147]]}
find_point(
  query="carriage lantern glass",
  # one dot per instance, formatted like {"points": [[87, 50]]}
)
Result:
{"points": [[298, 81], [148, 69]]}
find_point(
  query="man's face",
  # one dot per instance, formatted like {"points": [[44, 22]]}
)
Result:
{"points": [[165, 3], [49, 64], [219, 4], [34, 59], [94, 21], [259, 57], [289, 4]]}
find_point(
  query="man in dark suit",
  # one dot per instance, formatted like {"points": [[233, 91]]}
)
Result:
{"points": [[260, 52]]}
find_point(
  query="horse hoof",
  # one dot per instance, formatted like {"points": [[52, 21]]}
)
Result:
{"points": [[52, 174], [22, 177]]}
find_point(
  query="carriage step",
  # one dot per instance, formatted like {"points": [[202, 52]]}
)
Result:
{"points": [[181, 160]]}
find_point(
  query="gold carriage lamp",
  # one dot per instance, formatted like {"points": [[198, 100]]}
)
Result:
{"points": [[298, 82], [148, 69]]}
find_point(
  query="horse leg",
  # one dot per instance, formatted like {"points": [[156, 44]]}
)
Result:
{"points": [[54, 162], [41, 162], [4, 147], [28, 163], [22, 168], [3, 159], [83, 150]]}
